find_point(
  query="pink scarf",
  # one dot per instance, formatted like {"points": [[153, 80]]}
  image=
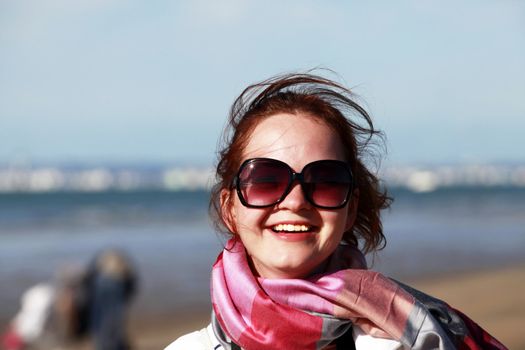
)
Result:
{"points": [[259, 313]]}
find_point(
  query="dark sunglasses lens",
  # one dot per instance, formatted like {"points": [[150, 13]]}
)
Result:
{"points": [[263, 182], [327, 184]]}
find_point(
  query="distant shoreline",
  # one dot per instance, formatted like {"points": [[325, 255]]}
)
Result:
{"points": [[392, 189], [97, 178]]}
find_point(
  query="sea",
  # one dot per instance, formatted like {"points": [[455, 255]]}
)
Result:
{"points": [[172, 244]]}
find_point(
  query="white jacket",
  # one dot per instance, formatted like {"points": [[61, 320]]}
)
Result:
{"points": [[205, 339]]}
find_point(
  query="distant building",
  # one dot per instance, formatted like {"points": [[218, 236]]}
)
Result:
{"points": [[96, 179]]}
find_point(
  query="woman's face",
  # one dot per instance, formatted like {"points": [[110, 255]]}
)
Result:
{"points": [[296, 140]]}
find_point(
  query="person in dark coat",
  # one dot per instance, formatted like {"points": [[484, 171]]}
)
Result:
{"points": [[110, 285]]}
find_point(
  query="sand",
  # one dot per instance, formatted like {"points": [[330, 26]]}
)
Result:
{"points": [[495, 299]]}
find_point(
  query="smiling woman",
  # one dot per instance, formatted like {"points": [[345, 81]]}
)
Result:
{"points": [[299, 206], [277, 249]]}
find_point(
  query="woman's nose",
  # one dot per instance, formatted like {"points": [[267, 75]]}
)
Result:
{"points": [[295, 199]]}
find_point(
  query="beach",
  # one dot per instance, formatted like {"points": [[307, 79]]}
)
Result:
{"points": [[463, 245], [494, 298]]}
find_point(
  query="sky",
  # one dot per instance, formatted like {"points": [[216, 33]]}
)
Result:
{"points": [[152, 81]]}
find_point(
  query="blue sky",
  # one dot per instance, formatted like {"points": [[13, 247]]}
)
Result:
{"points": [[134, 81]]}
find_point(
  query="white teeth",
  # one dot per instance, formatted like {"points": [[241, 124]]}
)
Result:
{"points": [[291, 228]]}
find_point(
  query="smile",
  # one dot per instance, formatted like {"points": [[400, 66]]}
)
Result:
{"points": [[291, 228]]}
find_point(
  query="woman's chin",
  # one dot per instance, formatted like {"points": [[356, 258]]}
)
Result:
{"points": [[294, 268]]}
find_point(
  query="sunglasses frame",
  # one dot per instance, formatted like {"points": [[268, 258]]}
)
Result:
{"points": [[293, 178]]}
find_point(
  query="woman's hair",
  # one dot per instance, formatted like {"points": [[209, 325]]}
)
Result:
{"points": [[313, 97]]}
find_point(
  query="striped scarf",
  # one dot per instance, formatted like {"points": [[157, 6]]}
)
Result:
{"points": [[297, 314]]}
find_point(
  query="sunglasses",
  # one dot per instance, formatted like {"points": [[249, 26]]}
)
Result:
{"points": [[264, 182]]}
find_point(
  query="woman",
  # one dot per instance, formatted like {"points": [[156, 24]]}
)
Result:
{"points": [[294, 194]]}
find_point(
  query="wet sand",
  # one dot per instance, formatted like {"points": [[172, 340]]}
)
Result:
{"points": [[494, 298]]}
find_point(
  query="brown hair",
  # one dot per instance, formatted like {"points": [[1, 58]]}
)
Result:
{"points": [[324, 100]]}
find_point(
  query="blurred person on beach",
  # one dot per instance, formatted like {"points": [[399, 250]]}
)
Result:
{"points": [[51, 313], [301, 208], [110, 283], [81, 308]]}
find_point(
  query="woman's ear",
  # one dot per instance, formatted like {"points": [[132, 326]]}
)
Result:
{"points": [[227, 212], [352, 210]]}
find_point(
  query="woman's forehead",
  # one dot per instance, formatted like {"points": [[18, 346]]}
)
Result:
{"points": [[293, 136]]}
